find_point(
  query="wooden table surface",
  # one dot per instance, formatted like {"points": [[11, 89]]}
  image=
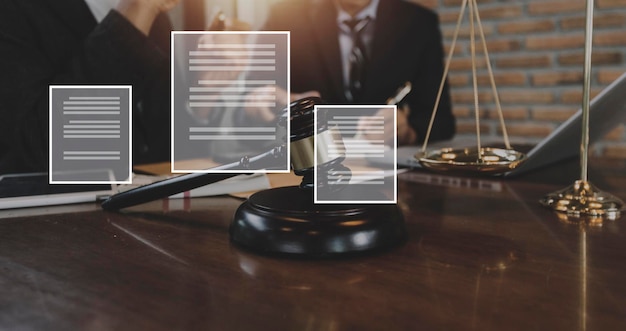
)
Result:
{"points": [[482, 254]]}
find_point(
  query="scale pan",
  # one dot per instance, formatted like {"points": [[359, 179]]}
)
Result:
{"points": [[469, 160]]}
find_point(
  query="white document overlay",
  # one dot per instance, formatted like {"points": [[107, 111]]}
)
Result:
{"points": [[368, 132], [229, 89], [90, 134]]}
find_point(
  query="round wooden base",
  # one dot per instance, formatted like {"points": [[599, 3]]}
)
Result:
{"points": [[286, 221]]}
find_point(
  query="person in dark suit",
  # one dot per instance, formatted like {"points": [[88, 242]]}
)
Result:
{"points": [[62, 42], [403, 43]]}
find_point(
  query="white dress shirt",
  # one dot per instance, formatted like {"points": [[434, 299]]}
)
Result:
{"points": [[100, 8], [345, 37]]}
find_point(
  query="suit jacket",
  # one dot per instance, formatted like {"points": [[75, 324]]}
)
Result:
{"points": [[407, 46], [59, 42]]}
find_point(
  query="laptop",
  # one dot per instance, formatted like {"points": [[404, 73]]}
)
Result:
{"points": [[606, 111]]}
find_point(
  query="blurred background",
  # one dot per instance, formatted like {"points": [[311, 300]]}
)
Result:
{"points": [[536, 52]]}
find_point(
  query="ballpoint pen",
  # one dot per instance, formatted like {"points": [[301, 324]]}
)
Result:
{"points": [[400, 94]]}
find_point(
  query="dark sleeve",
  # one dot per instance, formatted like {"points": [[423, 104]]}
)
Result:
{"points": [[426, 84], [114, 52]]}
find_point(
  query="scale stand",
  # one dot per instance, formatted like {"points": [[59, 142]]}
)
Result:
{"points": [[481, 160], [582, 199]]}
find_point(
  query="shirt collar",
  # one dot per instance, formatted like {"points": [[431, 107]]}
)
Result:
{"points": [[369, 11], [100, 8]]}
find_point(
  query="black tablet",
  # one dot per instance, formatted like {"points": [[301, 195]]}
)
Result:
{"points": [[33, 189]]}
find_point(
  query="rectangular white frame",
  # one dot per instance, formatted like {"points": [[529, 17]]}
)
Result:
{"points": [[395, 157], [129, 180], [173, 64]]}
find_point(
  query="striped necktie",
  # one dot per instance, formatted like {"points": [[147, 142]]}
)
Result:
{"points": [[357, 58]]}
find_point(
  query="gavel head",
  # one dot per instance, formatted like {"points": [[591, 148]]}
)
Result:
{"points": [[287, 220], [304, 132]]}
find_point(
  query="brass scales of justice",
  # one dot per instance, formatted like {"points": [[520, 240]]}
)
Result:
{"points": [[580, 201], [482, 160]]}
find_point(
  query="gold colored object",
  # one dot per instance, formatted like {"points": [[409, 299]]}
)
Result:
{"points": [[303, 150], [582, 200], [489, 160]]}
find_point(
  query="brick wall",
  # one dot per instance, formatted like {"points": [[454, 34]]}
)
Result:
{"points": [[536, 52]]}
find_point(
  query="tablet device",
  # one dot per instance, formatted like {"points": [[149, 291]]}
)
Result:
{"points": [[33, 189]]}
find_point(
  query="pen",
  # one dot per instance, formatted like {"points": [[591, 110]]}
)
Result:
{"points": [[400, 94]]}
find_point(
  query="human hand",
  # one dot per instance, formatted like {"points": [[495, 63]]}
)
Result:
{"points": [[231, 59], [405, 133], [141, 13], [262, 113], [240, 62]]}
